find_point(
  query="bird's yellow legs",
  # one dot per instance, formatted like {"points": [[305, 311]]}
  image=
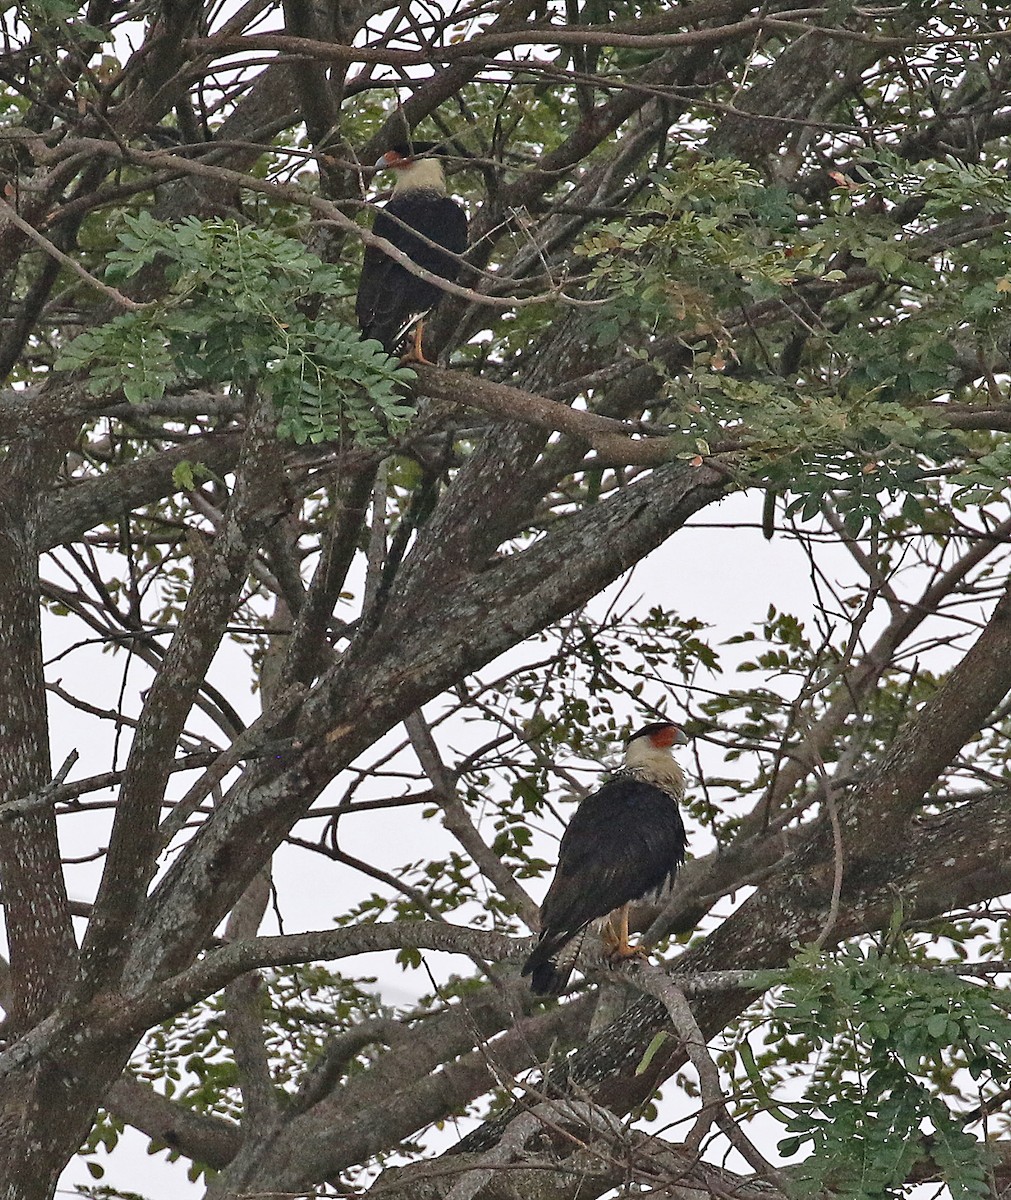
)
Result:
{"points": [[416, 354], [615, 938]]}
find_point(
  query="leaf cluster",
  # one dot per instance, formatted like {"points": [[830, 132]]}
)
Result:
{"points": [[901, 263], [240, 307], [884, 1031]]}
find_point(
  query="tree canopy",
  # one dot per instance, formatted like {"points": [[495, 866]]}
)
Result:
{"points": [[290, 610]]}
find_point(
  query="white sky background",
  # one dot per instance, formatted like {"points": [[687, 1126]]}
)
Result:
{"points": [[725, 576]]}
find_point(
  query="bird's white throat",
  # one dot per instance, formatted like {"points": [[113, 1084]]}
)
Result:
{"points": [[424, 174], [653, 765]]}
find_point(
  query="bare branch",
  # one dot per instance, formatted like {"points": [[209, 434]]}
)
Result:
{"points": [[714, 1105], [458, 821], [218, 967]]}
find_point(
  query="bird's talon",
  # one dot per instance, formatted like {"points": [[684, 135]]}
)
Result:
{"points": [[625, 954]]}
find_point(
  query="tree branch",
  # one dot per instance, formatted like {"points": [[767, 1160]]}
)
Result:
{"points": [[612, 440], [133, 844], [219, 967], [458, 822]]}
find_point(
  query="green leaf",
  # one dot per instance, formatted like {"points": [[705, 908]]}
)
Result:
{"points": [[651, 1051]]}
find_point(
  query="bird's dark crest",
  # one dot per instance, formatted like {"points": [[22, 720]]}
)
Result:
{"points": [[653, 727], [419, 148]]}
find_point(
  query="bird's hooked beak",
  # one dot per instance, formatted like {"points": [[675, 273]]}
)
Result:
{"points": [[392, 159]]}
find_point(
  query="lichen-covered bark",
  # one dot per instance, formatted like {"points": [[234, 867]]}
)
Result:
{"points": [[36, 912], [72, 511], [35, 901], [56, 1099]]}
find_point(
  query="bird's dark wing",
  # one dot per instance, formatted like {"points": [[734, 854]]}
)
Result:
{"points": [[439, 218], [623, 843], [388, 294], [379, 306]]}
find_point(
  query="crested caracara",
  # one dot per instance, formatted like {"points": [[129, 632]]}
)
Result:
{"points": [[624, 843], [389, 296]]}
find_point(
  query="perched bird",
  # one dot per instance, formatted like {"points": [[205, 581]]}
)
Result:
{"points": [[624, 843], [389, 296]]}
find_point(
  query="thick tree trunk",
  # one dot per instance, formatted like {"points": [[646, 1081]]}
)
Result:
{"points": [[37, 915]]}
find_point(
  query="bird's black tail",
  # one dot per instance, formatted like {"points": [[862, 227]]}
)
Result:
{"points": [[552, 961], [386, 329]]}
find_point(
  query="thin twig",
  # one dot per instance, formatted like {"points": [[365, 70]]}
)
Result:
{"points": [[43, 797], [458, 822], [65, 260]]}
